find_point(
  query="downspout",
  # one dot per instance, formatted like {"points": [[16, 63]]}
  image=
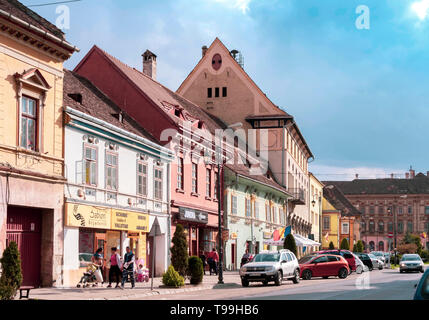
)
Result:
{"points": [[169, 215]]}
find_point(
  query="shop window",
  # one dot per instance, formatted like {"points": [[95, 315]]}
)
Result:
{"points": [[111, 171], [142, 178], [209, 241], [208, 183], [180, 174], [233, 205], [90, 162], [29, 122], [157, 183], [194, 178]]}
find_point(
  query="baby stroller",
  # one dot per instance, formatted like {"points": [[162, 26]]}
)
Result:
{"points": [[142, 274], [88, 277]]}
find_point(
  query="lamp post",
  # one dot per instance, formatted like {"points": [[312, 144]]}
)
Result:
{"points": [[220, 280]]}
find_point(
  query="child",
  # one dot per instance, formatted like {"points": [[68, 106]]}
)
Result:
{"points": [[140, 273]]}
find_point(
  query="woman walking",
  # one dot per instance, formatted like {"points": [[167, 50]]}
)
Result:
{"points": [[115, 268]]}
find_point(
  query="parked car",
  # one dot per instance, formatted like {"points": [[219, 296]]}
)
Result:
{"points": [[422, 288], [360, 266], [366, 259], [380, 255], [271, 266], [376, 263], [346, 254], [323, 265], [411, 262]]}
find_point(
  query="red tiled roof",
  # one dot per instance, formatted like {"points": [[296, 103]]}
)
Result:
{"points": [[20, 11], [95, 103]]}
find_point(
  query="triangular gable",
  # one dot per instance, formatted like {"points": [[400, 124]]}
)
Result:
{"points": [[33, 77]]}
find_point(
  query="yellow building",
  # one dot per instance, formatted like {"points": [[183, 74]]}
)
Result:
{"points": [[32, 52], [330, 224], [316, 195]]}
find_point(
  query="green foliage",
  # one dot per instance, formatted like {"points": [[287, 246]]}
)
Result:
{"points": [[359, 246], [355, 247], [11, 277], [407, 248], [172, 278], [179, 251], [290, 244], [331, 245], [196, 270], [413, 239], [344, 244], [425, 255]]}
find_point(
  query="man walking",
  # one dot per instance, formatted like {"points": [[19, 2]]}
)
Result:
{"points": [[128, 268]]}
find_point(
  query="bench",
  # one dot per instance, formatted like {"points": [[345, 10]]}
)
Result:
{"points": [[25, 288]]}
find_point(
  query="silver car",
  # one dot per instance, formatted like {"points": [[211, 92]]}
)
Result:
{"points": [[411, 262], [380, 255], [360, 266], [376, 263], [271, 266]]}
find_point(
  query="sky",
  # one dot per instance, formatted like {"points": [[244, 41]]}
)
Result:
{"points": [[359, 95]]}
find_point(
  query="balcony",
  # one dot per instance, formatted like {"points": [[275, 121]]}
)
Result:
{"points": [[298, 195]]}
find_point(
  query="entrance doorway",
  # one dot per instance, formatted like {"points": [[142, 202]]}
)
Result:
{"points": [[24, 226]]}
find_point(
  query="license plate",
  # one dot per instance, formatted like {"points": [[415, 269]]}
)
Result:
{"points": [[256, 275]]}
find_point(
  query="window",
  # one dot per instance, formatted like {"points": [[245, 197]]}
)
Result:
{"points": [[326, 223], [141, 179], [427, 227], [194, 178], [267, 212], [320, 260], [426, 209], [410, 209], [400, 227], [90, 163], [345, 228], [233, 205], [248, 208], [390, 226], [180, 173], [363, 226], [400, 210], [380, 210], [215, 186], [208, 183], [281, 216], [217, 92], [381, 226], [256, 212], [224, 92], [333, 259], [209, 92], [28, 123], [410, 226], [371, 226], [275, 214], [111, 171], [371, 210], [157, 180], [363, 210]]}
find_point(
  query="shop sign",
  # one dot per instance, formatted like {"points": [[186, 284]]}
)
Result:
{"points": [[80, 215], [193, 215], [267, 235], [130, 221]]}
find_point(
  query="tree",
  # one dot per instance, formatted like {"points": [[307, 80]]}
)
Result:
{"points": [[290, 244], [344, 244], [413, 239], [331, 245], [179, 251], [359, 246], [407, 248], [196, 269], [11, 277]]}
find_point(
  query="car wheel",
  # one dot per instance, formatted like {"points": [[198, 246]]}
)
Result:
{"points": [[359, 269], [279, 279], [380, 268], [295, 279], [342, 274], [370, 268], [244, 282], [401, 271], [306, 274]]}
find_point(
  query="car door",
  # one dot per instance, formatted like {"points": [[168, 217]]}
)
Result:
{"points": [[290, 263], [284, 265], [320, 266], [350, 260], [332, 266]]}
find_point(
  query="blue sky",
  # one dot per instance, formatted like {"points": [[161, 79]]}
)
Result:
{"points": [[360, 97]]}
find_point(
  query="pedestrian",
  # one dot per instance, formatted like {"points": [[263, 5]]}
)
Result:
{"points": [[97, 260], [246, 258], [128, 268], [203, 259], [115, 268], [213, 259]]}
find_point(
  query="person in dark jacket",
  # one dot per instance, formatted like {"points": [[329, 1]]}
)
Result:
{"points": [[203, 259], [128, 268]]}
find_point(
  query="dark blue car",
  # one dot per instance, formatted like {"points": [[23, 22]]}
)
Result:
{"points": [[422, 289]]}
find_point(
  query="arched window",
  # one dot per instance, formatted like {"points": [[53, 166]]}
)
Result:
{"points": [[381, 246], [381, 226], [371, 246], [363, 226], [371, 226]]}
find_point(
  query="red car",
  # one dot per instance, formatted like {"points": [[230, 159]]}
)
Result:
{"points": [[346, 254], [323, 265]]}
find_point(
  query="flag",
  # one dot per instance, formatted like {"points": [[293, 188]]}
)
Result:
{"points": [[303, 249], [423, 235], [288, 230], [327, 236]]}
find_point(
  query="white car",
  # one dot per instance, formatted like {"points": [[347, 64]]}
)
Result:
{"points": [[411, 262], [271, 266], [360, 266]]}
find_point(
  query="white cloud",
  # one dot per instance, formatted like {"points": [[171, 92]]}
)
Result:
{"points": [[242, 5], [325, 172], [421, 9]]}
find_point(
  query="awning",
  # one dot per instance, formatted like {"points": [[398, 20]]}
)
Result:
{"points": [[299, 240]]}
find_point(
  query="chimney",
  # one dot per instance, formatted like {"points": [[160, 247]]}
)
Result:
{"points": [[149, 64], [204, 50]]}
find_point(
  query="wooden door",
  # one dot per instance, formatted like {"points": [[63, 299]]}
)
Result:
{"points": [[100, 242]]}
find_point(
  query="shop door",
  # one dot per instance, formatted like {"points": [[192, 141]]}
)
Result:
{"points": [[24, 227], [100, 242]]}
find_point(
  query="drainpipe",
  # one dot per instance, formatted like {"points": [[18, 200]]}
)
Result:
{"points": [[283, 154], [169, 215]]}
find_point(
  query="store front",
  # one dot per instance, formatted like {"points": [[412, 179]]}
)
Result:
{"points": [[89, 227]]}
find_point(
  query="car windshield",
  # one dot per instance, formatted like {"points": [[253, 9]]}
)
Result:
{"points": [[410, 258], [305, 259], [267, 257], [378, 254], [372, 256]]}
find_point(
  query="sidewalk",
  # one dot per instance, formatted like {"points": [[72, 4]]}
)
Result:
{"points": [[142, 289]]}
